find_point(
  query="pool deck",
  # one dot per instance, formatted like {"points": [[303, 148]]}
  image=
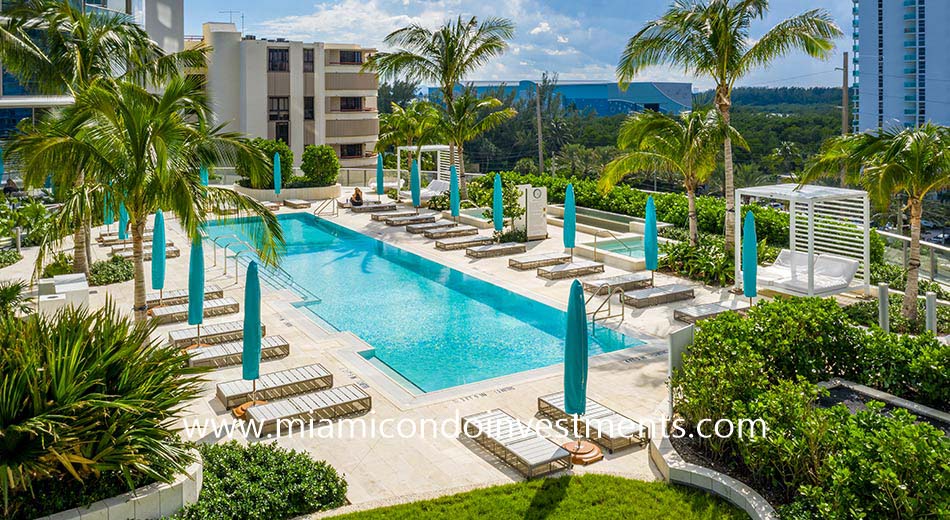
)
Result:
{"points": [[390, 470]]}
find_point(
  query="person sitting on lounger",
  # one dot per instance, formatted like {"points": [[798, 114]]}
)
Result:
{"points": [[357, 198]]}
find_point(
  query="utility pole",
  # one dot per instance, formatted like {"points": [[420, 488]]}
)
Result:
{"points": [[537, 110], [845, 103]]}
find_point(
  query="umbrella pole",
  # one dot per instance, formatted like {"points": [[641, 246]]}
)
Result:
{"points": [[652, 274], [198, 338], [160, 291]]}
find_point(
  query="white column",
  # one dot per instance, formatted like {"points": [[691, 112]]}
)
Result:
{"points": [[296, 101], [811, 248], [791, 234]]}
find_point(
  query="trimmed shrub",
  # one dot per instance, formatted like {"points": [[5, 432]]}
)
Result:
{"points": [[320, 165], [269, 147], [113, 270], [865, 313], [263, 481], [9, 257]]}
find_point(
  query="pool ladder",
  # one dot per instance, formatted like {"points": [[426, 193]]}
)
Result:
{"points": [[615, 237], [609, 304], [275, 275], [327, 208]]}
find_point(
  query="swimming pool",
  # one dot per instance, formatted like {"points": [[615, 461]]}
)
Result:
{"points": [[431, 327], [632, 247]]}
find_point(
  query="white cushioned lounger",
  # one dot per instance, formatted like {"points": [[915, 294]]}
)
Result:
{"points": [[275, 385], [227, 354], [607, 427], [517, 444], [296, 412]]}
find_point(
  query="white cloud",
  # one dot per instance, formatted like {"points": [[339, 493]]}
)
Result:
{"points": [[543, 27], [562, 39]]}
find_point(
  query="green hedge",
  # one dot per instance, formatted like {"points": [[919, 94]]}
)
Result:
{"points": [[320, 165], [766, 366], [866, 313], [113, 270], [269, 147], [264, 482], [9, 257]]}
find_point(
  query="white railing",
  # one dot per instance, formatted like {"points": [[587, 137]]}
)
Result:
{"points": [[934, 258]]}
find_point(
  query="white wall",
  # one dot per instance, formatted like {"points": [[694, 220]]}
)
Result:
{"points": [[165, 23]]}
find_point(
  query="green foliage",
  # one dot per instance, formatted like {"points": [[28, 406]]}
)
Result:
{"points": [[9, 257], [62, 263], [263, 481], [113, 392], [439, 202], [52, 495], [481, 193], [511, 235], [895, 277], [399, 91], [113, 270], [566, 498], [12, 298], [866, 313], [319, 165], [765, 366], [269, 147], [708, 262]]}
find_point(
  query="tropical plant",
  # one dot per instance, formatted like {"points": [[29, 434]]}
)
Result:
{"points": [[414, 125], [320, 165], [711, 38], [114, 270], [9, 257], [61, 263], [87, 392], [687, 145], [268, 147], [12, 299], [57, 47], [145, 149], [469, 116], [912, 162]]}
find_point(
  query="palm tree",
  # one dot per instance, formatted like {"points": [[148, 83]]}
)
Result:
{"points": [[710, 38], [912, 162], [145, 150], [470, 116], [417, 124], [688, 145], [58, 48]]}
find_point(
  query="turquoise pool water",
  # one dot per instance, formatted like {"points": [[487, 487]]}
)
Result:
{"points": [[632, 247], [433, 327]]}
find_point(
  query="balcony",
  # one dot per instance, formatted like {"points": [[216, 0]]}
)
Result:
{"points": [[910, 16], [364, 110], [910, 3], [910, 84], [910, 70], [910, 98], [910, 57], [912, 43], [351, 81]]}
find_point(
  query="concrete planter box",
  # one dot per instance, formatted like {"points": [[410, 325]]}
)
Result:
{"points": [[321, 193], [147, 502]]}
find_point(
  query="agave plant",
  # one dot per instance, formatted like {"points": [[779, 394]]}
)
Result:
{"points": [[85, 392]]}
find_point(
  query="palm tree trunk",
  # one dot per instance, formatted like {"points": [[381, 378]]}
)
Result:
{"points": [[693, 224], [138, 259], [909, 308], [724, 104], [80, 249]]}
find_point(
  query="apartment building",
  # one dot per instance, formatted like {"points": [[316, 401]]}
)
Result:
{"points": [[163, 20], [901, 64], [299, 93]]}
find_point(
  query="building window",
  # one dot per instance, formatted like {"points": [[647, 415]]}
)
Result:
{"points": [[308, 60], [351, 57], [308, 107], [278, 60], [351, 151], [278, 108], [282, 132], [351, 104]]}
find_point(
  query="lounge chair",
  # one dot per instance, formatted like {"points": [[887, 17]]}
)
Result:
{"points": [[782, 267], [523, 263], [495, 250], [417, 229], [462, 242], [114, 235], [387, 185], [175, 313], [421, 218], [126, 246], [384, 215], [435, 188], [605, 426], [833, 274], [570, 270], [178, 296], [170, 252], [271, 205], [227, 354], [624, 282], [658, 295], [211, 334], [275, 385], [297, 412], [114, 240], [374, 208], [697, 313], [297, 203], [449, 232], [517, 444]]}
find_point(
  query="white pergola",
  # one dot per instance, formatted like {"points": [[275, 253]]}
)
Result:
{"points": [[815, 217], [444, 159]]}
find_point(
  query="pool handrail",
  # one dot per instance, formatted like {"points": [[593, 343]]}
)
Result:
{"points": [[609, 303], [612, 235]]}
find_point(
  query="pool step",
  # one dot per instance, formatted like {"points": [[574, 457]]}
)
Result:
{"points": [[429, 226], [457, 231], [463, 242]]}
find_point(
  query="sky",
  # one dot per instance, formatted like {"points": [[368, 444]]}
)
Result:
{"points": [[574, 38]]}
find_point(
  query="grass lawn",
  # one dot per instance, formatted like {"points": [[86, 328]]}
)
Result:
{"points": [[570, 497]]}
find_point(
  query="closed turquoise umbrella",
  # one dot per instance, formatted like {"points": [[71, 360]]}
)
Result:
{"points": [[123, 222], [750, 257], [454, 200], [498, 206], [203, 172], [196, 286], [380, 181], [575, 353], [277, 180], [158, 255], [570, 219], [651, 249], [414, 184], [251, 355]]}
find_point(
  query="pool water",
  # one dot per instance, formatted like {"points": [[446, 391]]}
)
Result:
{"points": [[432, 326], [632, 247]]}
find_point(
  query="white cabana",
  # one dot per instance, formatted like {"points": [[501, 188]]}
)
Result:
{"points": [[444, 158], [829, 240]]}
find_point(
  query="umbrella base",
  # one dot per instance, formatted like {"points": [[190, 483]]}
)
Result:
{"points": [[584, 452], [240, 411]]}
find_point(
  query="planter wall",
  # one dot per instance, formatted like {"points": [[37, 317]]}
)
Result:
{"points": [[147, 502], [321, 193]]}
